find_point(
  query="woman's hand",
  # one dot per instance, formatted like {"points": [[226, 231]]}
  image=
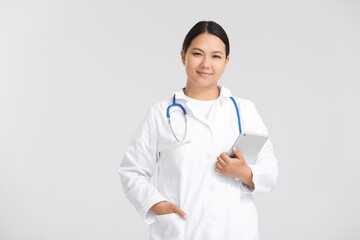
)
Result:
{"points": [[235, 167], [166, 207]]}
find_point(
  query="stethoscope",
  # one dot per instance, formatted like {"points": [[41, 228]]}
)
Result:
{"points": [[185, 113]]}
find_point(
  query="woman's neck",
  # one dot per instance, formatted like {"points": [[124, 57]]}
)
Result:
{"points": [[202, 93]]}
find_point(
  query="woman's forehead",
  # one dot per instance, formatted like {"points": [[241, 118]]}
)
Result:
{"points": [[207, 42]]}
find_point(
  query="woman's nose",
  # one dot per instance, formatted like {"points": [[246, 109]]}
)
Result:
{"points": [[205, 62]]}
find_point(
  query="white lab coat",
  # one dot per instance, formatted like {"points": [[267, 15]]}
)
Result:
{"points": [[217, 206]]}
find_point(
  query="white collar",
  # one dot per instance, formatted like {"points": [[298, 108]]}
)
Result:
{"points": [[224, 93]]}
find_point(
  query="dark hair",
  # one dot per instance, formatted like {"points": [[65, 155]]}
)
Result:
{"points": [[206, 27]]}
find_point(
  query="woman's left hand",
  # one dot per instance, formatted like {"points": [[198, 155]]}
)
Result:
{"points": [[232, 167]]}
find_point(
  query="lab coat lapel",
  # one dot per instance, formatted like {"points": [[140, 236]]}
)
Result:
{"points": [[190, 106], [180, 98], [214, 111]]}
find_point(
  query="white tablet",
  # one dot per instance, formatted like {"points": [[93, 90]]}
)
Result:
{"points": [[249, 144]]}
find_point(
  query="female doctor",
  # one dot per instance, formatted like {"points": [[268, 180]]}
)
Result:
{"points": [[201, 192]]}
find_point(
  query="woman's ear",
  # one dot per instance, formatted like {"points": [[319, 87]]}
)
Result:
{"points": [[227, 60], [182, 53]]}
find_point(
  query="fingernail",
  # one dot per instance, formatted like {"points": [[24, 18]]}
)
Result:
{"points": [[234, 149], [185, 216]]}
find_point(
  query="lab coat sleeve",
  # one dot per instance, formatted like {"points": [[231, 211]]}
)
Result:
{"points": [[138, 166], [265, 168]]}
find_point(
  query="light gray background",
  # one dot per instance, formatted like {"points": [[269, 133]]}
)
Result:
{"points": [[76, 78]]}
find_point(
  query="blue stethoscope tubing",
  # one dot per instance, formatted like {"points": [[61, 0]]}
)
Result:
{"points": [[185, 113]]}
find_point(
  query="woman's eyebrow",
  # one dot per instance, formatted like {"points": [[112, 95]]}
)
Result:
{"points": [[203, 50]]}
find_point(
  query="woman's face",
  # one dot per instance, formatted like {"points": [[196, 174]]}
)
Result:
{"points": [[205, 60]]}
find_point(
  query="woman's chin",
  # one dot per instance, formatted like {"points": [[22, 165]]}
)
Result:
{"points": [[203, 83]]}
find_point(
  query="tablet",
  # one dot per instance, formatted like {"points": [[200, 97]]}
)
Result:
{"points": [[249, 144]]}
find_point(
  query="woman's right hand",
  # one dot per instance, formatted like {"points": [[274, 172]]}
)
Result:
{"points": [[166, 207]]}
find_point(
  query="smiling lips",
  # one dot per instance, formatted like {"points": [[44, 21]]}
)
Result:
{"points": [[204, 74]]}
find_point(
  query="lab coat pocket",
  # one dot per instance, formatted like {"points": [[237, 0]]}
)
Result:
{"points": [[168, 227]]}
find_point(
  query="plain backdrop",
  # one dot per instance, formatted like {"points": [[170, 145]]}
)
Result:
{"points": [[76, 78]]}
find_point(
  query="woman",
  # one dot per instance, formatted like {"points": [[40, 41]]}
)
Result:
{"points": [[202, 193]]}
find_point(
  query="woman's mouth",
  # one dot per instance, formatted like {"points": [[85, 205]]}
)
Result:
{"points": [[204, 74]]}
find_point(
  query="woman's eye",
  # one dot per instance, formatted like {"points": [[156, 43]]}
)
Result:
{"points": [[217, 56], [197, 53]]}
